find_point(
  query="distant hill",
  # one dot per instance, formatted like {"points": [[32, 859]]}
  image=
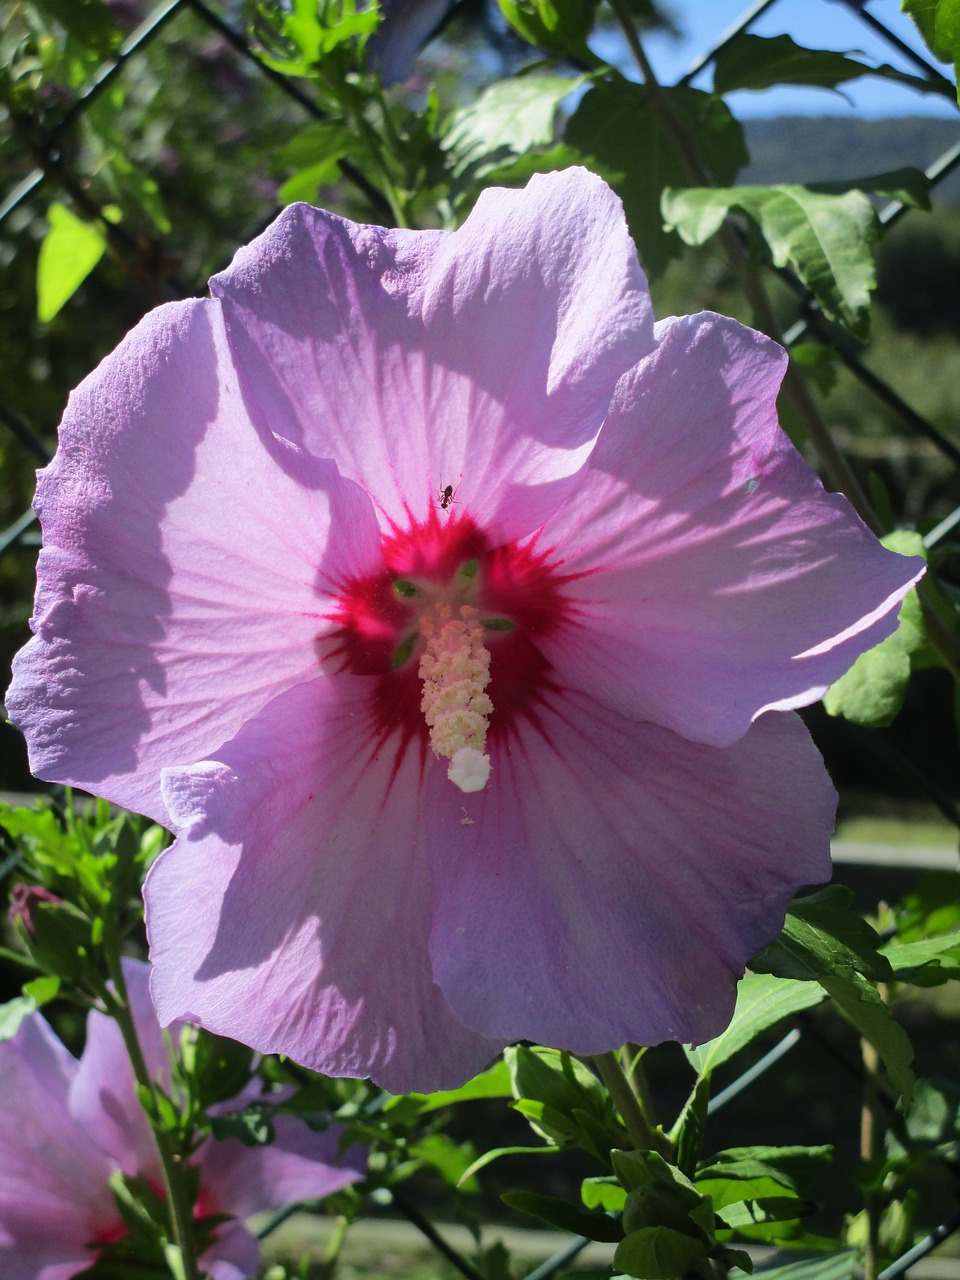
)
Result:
{"points": [[824, 148]]}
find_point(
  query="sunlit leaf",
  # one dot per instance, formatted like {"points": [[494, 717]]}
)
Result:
{"points": [[13, 1013], [825, 238], [69, 252], [871, 693], [506, 121], [824, 937], [938, 21], [762, 1001]]}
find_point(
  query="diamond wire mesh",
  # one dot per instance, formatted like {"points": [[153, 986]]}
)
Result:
{"points": [[51, 151]]}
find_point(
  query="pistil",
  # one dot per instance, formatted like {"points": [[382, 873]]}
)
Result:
{"points": [[455, 670]]}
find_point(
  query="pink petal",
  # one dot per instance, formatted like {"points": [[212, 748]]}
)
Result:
{"points": [[234, 1254], [720, 579], [103, 1095], [299, 1165], [614, 881], [301, 856], [54, 1197], [187, 559], [483, 359]]}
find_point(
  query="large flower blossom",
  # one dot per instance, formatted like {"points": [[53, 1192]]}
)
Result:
{"points": [[66, 1126], [385, 478]]}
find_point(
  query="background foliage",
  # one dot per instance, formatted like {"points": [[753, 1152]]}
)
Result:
{"points": [[143, 142]]}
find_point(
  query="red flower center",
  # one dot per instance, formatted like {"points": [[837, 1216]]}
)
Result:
{"points": [[516, 590]]}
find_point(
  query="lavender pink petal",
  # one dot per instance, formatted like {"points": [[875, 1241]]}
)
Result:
{"points": [[614, 882], [718, 579], [184, 575], [484, 359], [301, 853]]}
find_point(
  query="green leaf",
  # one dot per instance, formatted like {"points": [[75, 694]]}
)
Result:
{"points": [[762, 1001], [60, 940], [556, 1079], [87, 21], [253, 1126], [726, 1191], [760, 62], [13, 1013], [862, 1006], [908, 185], [818, 362], [932, 1121], [449, 1159], [660, 1195], [619, 134], [316, 28], [488, 1157], [659, 1253], [824, 940], [931, 908], [938, 21], [69, 252], [689, 1130], [823, 937], [565, 1216], [824, 237], [313, 152], [492, 1083], [603, 1193], [871, 693], [508, 120], [221, 1067], [792, 1168], [838, 1266], [559, 27], [927, 963], [771, 1209], [42, 990]]}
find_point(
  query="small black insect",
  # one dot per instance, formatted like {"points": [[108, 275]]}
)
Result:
{"points": [[447, 497]]}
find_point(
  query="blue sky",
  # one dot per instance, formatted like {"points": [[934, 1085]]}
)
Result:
{"points": [[824, 24]]}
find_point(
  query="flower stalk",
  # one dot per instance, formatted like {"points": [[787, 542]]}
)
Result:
{"points": [[645, 1137], [174, 1187]]}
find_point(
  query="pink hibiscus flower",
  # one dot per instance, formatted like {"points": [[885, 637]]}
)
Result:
{"points": [[66, 1126], [448, 611]]}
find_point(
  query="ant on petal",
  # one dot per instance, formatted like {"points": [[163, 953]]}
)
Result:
{"points": [[447, 496]]}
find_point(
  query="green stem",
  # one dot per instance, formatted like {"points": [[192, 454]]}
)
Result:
{"points": [[644, 1136], [637, 1078], [334, 1245], [871, 1135], [181, 1218]]}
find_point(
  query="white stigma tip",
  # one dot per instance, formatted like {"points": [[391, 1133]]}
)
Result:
{"points": [[469, 769]]}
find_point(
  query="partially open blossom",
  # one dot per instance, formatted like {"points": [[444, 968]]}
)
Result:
{"points": [[24, 901], [66, 1126], [451, 614]]}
